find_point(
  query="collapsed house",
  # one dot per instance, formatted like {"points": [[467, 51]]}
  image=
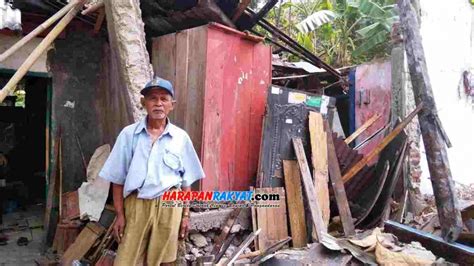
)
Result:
{"points": [[328, 141]]}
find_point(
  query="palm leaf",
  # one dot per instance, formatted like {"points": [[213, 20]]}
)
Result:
{"points": [[315, 20]]}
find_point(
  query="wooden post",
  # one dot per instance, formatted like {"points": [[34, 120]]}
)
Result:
{"points": [[127, 37], [436, 153], [37, 31], [338, 186], [45, 43], [308, 184]]}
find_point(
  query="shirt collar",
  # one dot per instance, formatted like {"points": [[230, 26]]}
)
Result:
{"points": [[142, 126]]}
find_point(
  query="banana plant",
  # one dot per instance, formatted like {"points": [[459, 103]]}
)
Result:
{"points": [[356, 29], [377, 21]]}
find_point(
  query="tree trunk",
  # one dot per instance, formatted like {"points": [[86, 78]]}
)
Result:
{"points": [[436, 153], [127, 39]]}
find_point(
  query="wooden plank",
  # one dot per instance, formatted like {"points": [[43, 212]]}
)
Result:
{"points": [[219, 240], [294, 202], [338, 186], [84, 241], [362, 128], [453, 252], [242, 246], [181, 77], [272, 232], [196, 85], [319, 158], [164, 57], [310, 192], [359, 165]]}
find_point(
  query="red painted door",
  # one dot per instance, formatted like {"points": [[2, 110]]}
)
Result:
{"points": [[238, 73], [373, 87]]}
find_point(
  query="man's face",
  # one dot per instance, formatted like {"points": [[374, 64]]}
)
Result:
{"points": [[158, 103]]}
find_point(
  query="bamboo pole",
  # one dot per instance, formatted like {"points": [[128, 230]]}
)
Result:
{"points": [[37, 31], [45, 43]]}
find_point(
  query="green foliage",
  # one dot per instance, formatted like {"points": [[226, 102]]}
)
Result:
{"points": [[342, 32]]}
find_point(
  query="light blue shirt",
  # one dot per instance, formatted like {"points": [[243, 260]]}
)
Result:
{"points": [[152, 169]]}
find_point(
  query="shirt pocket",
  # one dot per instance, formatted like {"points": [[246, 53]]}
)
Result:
{"points": [[172, 161]]}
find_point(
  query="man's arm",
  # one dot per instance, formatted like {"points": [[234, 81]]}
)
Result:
{"points": [[119, 226]]}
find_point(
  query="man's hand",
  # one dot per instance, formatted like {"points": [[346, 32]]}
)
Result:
{"points": [[119, 227], [183, 231]]}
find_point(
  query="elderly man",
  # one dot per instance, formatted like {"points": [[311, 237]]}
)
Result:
{"points": [[149, 158]]}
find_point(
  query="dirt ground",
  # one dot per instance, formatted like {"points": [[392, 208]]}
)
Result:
{"points": [[22, 224]]}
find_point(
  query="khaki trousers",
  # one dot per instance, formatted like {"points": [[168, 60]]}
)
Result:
{"points": [[151, 233]]}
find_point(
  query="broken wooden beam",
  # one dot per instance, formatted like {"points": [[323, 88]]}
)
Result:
{"points": [[434, 137], [294, 199], [362, 128], [338, 185], [41, 48], [363, 162], [314, 208], [37, 30], [453, 252]]}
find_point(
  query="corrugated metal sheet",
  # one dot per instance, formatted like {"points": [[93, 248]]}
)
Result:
{"points": [[9, 18]]}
